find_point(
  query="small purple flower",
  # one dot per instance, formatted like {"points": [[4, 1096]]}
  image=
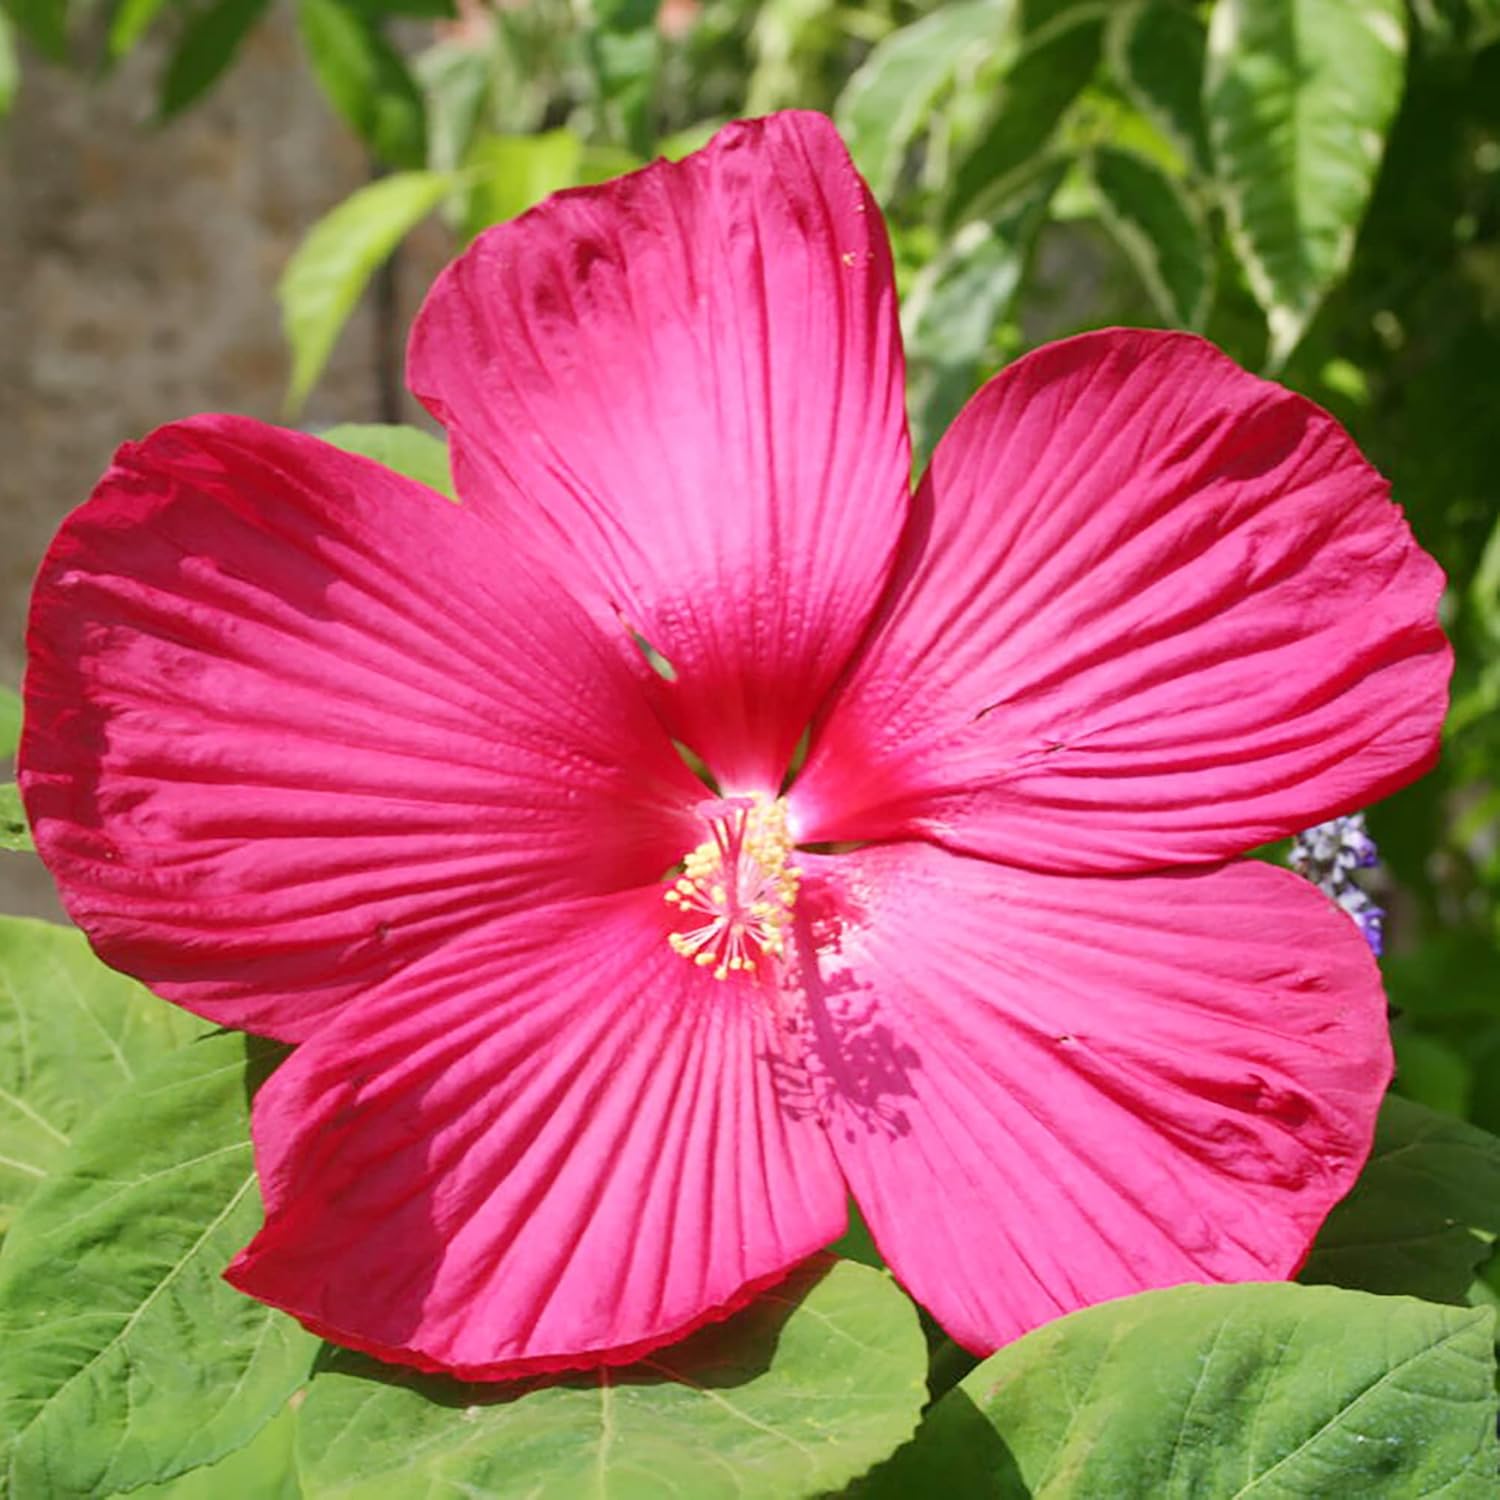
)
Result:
{"points": [[1328, 855]]}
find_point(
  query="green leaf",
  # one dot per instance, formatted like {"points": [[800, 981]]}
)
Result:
{"points": [[623, 48], [204, 50], [15, 836], [1262, 1392], [1409, 1223], [1155, 50], [129, 24], [1298, 96], [1430, 1070], [1028, 105], [1484, 23], [365, 80], [265, 1469], [962, 297], [1160, 230], [10, 722], [10, 83], [124, 1358], [1452, 975], [73, 1033], [408, 450], [324, 278], [511, 173], [888, 100], [44, 23], [809, 1386]]}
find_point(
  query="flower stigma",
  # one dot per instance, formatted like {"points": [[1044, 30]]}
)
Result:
{"points": [[740, 883]]}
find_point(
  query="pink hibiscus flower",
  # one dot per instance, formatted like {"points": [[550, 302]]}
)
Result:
{"points": [[587, 1053]]}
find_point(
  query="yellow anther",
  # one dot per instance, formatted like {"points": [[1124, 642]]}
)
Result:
{"points": [[738, 885]]}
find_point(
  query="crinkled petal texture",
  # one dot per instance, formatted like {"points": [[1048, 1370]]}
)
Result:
{"points": [[554, 1145], [691, 380], [1151, 610], [293, 720], [1046, 1091]]}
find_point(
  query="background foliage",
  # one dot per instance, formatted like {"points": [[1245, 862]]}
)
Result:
{"points": [[1314, 184]]}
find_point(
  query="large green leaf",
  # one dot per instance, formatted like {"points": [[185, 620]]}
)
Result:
{"points": [[888, 100], [1027, 105], [14, 834], [1161, 231], [1262, 1392], [207, 46], [124, 1358], [1409, 1224], [72, 1034], [962, 297], [265, 1469], [366, 80], [1155, 50], [808, 1387], [332, 266], [1298, 96], [408, 450]]}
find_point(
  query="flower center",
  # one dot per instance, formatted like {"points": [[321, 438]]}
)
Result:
{"points": [[738, 886]]}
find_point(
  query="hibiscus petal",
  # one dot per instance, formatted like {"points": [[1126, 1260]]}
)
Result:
{"points": [[1153, 611], [1046, 1091], [555, 1145], [292, 719], [691, 379]]}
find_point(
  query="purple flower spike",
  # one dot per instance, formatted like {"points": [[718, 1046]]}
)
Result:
{"points": [[1328, 855]]}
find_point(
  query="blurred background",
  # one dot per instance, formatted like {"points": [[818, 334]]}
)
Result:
{"points": [[237, 205]]}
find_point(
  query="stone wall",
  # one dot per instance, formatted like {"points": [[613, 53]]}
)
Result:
{"points": [[137, 275]]}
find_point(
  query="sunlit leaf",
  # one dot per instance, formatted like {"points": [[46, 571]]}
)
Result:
{"points": [[1298, 96], [408, 450], [124, 1358], [1026, 105], [816, 1381], [10, 82], [889, 98], [265, 1469], [365, 80], [960, 299], [207, 46], [331, 267], [1251, 1391], [129, 23], [1155, 50], [15, 836], [10, 722], [790, 41], [73, 1033], [1161, 231], [512, 172], [1409, 1224]]}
